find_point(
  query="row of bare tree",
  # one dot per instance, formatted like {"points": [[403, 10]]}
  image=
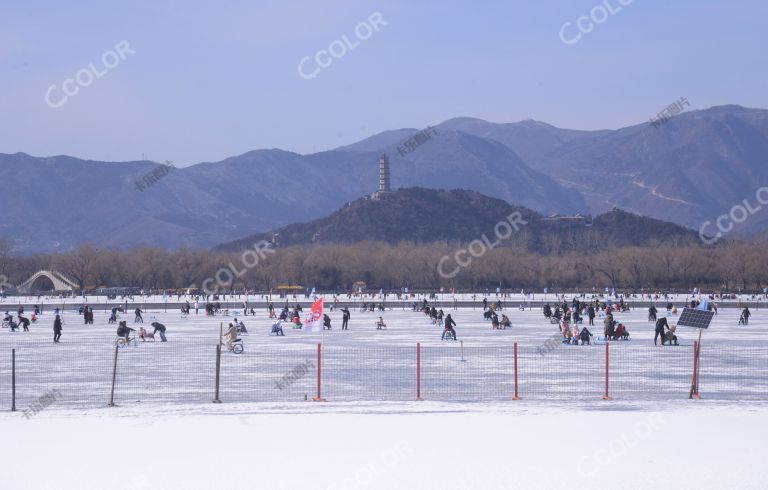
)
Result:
{"points": [[337, 267]]}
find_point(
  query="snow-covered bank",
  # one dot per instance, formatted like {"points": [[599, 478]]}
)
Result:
{"points": [[385, 446]]}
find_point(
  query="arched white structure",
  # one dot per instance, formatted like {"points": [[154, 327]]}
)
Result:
{"points": [[59, 280]]}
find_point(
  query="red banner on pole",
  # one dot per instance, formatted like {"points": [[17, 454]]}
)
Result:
{"points": [[314, 322]]}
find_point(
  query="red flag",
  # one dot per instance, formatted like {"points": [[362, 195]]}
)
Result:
{"points": [[314, 321]]}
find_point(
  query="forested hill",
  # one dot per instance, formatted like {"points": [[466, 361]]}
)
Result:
{"points": [[420, 215]]}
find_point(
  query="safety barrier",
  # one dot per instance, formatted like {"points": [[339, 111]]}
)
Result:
{"points": [[198, 371]]}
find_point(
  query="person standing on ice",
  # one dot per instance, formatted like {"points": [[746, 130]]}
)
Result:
{"points": [[652, 313], [449, 324], [138, 318], [56, 329], [746, 314], [608, 331], [197, 306], [345, 315]]}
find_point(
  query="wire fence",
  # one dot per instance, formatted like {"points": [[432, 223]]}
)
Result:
{"points": [[186, 372]]}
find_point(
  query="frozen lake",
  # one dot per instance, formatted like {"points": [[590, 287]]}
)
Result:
{"points": [[365, 364]]}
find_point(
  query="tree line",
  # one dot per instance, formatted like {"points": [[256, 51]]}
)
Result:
{"points": [[728, 266]]}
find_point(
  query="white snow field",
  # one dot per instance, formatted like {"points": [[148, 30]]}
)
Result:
{"points": [[467, 432], [412, 445]]}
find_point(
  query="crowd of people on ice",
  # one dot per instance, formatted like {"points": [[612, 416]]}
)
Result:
{"points": [[569, 317], [573, 318], [21, 320]]}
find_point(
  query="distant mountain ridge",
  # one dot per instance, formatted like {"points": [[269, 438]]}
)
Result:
{"points": [[692, 169], [420, 215]]}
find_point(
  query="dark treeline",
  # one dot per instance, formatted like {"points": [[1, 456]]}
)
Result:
{"points": [[729, 266]]}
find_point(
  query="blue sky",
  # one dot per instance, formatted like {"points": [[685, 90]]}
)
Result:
{"points": [[208, 80]]}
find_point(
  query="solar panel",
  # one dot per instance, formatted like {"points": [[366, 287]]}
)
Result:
{"points": [[691, 317]]}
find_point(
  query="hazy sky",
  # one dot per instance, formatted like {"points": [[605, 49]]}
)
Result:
{"points": [[201, 81]]}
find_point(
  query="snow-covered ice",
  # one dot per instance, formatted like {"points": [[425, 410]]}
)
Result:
{"points": [[166, 438]]}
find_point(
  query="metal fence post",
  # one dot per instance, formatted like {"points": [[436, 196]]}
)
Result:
{"points": [[418, 371], [695, 384], [319, 397], [218, 371], [13, 380], [516, 397], [114, 377], [607, 365]]}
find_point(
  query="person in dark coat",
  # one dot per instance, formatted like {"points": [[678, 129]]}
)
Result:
{"points": [[608, 324], [138, 318], [591, 314], [449, 324], [159, 327], [547, 311], [585, 336], [113, 316], [56, 329], [660, 324], [345, 316], [326, 321], [576, 317], [24, 322], [745, 314], [652, 313], [123, 330]]}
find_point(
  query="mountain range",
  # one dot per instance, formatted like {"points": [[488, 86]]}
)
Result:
{"points": [[691, 169]]}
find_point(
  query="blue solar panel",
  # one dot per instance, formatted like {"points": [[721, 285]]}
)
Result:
{"points": [[691, 317]]}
